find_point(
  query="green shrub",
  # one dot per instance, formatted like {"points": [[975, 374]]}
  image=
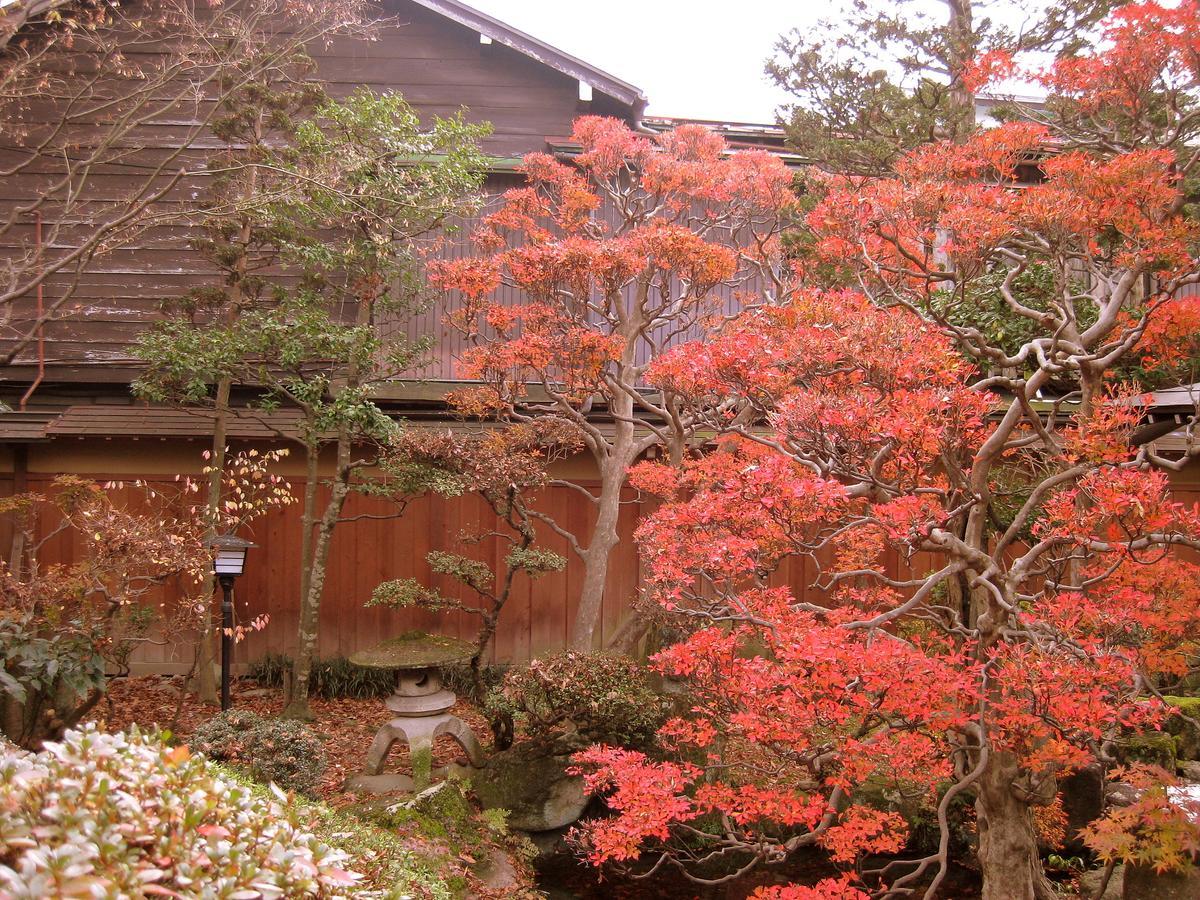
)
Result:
{"points": [[459, 679], [332, 679], [274, 751], [116, 815], [604, 697]]}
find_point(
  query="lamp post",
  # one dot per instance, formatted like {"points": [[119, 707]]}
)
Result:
{"points": [[229, 562]]}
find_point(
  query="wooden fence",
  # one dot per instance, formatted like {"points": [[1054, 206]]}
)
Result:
{"points": [[368, 551]]}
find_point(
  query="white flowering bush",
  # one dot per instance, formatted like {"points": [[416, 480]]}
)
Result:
{"points": [[123, 815]]}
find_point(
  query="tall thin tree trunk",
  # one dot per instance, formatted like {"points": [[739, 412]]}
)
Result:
{"points": [[205, 661], [313, 575], [308, 524], [235, 296], [614, 466], [1008, 846], [308, 515], [310, 606], [961, 52], [605, 537]]}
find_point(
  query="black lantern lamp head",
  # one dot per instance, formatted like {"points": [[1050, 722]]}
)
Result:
{"points": [[229, 560]]}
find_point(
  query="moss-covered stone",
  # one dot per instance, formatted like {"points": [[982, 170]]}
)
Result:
{"points": [[422, 767], [1156, 749], [414, 650], [1184, 727], [533, 785]]}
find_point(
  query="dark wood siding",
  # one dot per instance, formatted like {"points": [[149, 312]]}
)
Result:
{"points": [[438, 65]]}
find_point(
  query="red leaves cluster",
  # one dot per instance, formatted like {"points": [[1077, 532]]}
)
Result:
{"points": [[1147, 46], [950, 208], [631, 235], [650, 798], [867, 423], [786, 713], [1172, 336], [992, 580], [826, 889], [797, 709]]}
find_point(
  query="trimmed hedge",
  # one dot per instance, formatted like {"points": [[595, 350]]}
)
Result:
{"points": [[278, 751]]}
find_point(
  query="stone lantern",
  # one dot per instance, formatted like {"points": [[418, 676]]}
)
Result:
{"points": [[420, 706]]}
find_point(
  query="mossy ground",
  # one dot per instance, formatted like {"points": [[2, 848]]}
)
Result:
{"points": [[459, 838]]}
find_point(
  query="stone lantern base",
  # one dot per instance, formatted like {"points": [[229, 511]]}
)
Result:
{"points": [[422, 713]]}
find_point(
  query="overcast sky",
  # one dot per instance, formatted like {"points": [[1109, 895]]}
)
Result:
{"points": [[693, 58]]}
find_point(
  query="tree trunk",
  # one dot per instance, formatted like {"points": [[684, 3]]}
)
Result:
{"points": [[314, 550], [961, 52], [1008, 846], [595, 560], [308, 522], [205, 662], [628, 635], [206, 657], [310, 601]]}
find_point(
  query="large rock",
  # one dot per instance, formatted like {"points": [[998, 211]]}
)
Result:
{"points": [[531, 782], [1090, 881], [1120, 793], [1143, 883], [1189, 771], [1083, 803], [497, 872], [1185, 727]]}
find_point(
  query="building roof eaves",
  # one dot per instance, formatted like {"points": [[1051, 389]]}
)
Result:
{"points": [[539, 50]]}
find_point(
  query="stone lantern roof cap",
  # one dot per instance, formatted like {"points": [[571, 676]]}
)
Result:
{"points": [[415, 650]]}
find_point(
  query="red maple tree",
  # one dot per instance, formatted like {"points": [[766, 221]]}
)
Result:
{"points": [[996, 603], [618, 254]]}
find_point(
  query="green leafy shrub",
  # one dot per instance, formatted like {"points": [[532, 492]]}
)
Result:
{"points": [[277, 751], [604, 697], [461, 680], [332, 679], [123, 815]]}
